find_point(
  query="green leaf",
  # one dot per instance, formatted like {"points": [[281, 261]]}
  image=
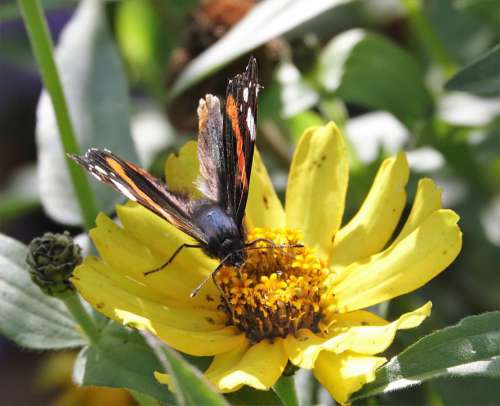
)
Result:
{"points": [[249, 396], [96, 91], [285, 389], [470, 348], [267, 20], [302, 121], [481, 77], [191, 388], [368, 70], [27, 316], [120, 359]]}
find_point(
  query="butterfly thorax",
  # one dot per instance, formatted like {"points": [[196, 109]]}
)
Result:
{"points": [[224, 239]]}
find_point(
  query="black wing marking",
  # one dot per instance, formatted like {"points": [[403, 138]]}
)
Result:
{"points": [[140, 186], [240, 130]]}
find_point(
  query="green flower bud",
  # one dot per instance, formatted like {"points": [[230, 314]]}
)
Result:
{"points": [[52, 259]]}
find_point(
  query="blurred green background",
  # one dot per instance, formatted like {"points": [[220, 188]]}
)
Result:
{"points": [[423, 76]]}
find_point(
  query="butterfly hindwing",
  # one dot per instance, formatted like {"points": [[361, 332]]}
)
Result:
{"points": [[140, 186]]}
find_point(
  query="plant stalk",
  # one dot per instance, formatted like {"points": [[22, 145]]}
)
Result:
{"points": [[43, 49], [82, 317]]}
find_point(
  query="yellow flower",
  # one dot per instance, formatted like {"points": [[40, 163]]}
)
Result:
{"points": [[302, 305]]}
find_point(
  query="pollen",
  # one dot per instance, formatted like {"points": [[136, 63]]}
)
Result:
{"points": [[277, 290]]}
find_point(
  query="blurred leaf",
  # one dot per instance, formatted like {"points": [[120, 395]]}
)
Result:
{"points": [[96, 91], [27, 316], [20, 194], [366, 69], [10, 11], [488, 10], [481, 77], [300, 122], [470, 348], [120, 359], [249, 396], [144, 40], [467, 391], [267, 20], [463, 34], [191, 388]]}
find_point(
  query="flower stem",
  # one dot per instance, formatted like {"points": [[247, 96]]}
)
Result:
{"points": [[81, 316], [285, 389], [43, 49], [427, 37]]}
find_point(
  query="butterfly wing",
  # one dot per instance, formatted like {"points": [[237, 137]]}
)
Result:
{"points": [[226, 142], [140, 186]]}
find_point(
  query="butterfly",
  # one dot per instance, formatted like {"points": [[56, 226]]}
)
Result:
{"points": [[226, 142]]}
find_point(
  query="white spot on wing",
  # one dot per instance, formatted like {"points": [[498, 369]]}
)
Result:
{"points": [[245, 94], [100, 170], [123, 190], [251, 124]]}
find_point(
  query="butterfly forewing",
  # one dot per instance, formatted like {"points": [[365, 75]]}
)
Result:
{"points": [[140, 186], [239, 133]]}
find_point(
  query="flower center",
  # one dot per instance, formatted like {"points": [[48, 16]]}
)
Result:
{"points": [[277, 290]]}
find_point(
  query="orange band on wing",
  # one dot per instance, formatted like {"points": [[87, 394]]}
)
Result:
{"points": [[118, 168], [232, 112]]}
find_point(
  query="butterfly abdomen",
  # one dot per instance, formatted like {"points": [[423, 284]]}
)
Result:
{"points": [[224, 238]]}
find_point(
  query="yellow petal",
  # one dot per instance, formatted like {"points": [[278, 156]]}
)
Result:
{"points": [[145, 244], [259, 366], [349, 335], [372, 226], [344, 374], [182, 170], [427, 201], [317, 186], [164, 379], [351, 331], [109, 292], [264, 208], [195, 331], [403, 267]]}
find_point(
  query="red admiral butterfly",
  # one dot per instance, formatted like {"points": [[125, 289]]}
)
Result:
{"points": [[225, 149]]}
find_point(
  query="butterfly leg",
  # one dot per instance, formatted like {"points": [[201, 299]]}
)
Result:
{"points": [[212, 274], [172, 257]]}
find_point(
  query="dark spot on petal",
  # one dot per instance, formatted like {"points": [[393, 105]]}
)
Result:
{"points": [[99, 305], [266, 202], [209, 298], [210, 320], [364, 323], [445, 252], [323, 158]]}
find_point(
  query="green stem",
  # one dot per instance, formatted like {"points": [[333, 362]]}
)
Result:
{"points": [[43, 49], [285, 389], [427, 37], [82, 317]]}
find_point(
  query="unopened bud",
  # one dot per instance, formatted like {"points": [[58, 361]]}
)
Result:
{"points": [[52, 259]]}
